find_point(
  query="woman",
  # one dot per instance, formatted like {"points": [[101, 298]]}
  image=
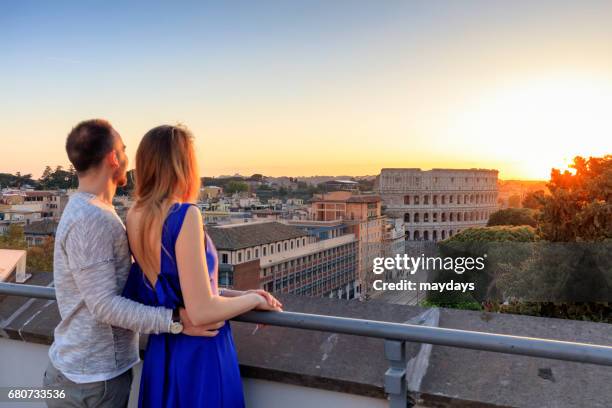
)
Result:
{"points": [[176, 264]]}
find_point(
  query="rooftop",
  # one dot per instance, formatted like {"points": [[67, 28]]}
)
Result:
{"points": [[237, 236], [43, 227], [345, 197], [435, 169], [341, 182], [307, 249], [355, 366]]}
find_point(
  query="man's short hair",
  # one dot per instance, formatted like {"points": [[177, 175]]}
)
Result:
{"points": [[88, 143]]}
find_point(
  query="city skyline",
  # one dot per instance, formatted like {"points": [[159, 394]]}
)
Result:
{"points": [[316, 88]]}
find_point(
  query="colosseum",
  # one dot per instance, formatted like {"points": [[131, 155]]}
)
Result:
{"points": [[438, 203]]}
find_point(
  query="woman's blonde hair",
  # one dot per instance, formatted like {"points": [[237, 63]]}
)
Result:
{"points": [[166, 172]]}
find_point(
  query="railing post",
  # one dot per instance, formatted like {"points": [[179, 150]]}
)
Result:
{"points": [[395, 377]]}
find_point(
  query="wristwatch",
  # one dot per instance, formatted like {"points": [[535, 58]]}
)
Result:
{"points": [[176, 326]]}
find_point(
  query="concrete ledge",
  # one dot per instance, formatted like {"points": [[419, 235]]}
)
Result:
{"points": [[356, 365]]}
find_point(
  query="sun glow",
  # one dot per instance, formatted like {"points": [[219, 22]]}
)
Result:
{"points": [[535, 125]]}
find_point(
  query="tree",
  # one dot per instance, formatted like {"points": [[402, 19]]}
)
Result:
{"points": [[513, 216], [569, 273], [13, 238], [534, 200], [580, 205], [236, 187], [496, 246], [16, 180], [40, 258], [57, 179], [46, 174], [514, 201]]}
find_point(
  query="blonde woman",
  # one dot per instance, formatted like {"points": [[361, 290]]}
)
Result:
{"points": [[176, 264]]}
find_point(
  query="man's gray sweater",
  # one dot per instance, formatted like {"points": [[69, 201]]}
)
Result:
{"points": [[97, 338]]}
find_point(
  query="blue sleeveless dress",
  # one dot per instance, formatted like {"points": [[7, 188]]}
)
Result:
{"points": [[181, 370]]}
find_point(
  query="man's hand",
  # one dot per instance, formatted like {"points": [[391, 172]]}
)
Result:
{"points": [[205, 330]]}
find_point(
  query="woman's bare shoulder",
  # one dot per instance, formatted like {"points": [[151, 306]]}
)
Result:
{"points": [[193, 217], [132, 218]]}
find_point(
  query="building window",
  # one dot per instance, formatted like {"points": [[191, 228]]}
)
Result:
{"points": [[248, 254], [256, 252], [264, 251], [285, 246], [239, 256], [224, 258]]}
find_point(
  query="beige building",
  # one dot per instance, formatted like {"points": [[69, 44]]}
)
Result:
{"points": [[438, 203], [208, 192]]}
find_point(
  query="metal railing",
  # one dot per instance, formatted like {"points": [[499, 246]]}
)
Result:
{"points": [[396, 335]]}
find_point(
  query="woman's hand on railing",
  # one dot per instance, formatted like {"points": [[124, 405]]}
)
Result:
{"points": [[272, 303]]}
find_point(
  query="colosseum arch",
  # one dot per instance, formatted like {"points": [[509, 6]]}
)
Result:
{"points": [[465, 204]]}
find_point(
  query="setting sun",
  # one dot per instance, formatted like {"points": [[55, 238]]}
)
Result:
{"points": [[542, 122]]}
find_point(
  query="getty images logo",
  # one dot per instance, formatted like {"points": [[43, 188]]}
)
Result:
{"points": [[412, 264]]}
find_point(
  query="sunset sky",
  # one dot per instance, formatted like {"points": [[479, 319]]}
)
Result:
{"points": [[303, 88]]}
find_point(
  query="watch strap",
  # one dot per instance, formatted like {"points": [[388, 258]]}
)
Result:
{"points": [[176, 316]]}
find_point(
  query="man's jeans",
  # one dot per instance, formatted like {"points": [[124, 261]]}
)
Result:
{"points": [[113, 393]]}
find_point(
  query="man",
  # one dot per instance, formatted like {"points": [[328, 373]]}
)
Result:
{"points": [[96, 343]]}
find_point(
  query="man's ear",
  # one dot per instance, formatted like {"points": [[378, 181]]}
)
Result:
{"points": [[112, 158]]}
